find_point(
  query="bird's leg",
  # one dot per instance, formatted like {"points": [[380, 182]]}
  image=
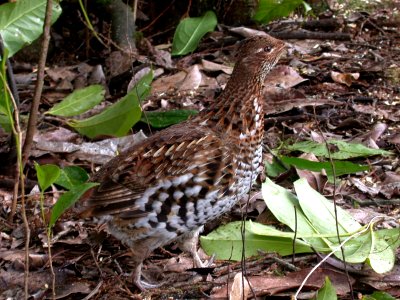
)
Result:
{"points": [[188, 243], [136, 276], [139, 254]]}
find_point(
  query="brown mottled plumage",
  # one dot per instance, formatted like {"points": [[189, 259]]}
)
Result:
{"points": [[165, 188]]}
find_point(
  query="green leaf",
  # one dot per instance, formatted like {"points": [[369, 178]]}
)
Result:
{"points": [[47, 175], [5, 122], [378, 295], [72, 176], [391, 236], [269, 10], [282, 204], [226, 243], [21, 22], [343, 150], [67, 200], [189, 32], [275, 168], [160, 119], [316, 225], [6, 107], [78, 102], [117, 119], [341, 167], [382, 256], [320, 212], [327, 292], [143, 87]]}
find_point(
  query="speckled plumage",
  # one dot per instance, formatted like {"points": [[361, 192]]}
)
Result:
{"points": [[167, 187]]}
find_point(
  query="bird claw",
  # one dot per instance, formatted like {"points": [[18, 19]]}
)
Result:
{"points": [[200, 264], [144, 285]]}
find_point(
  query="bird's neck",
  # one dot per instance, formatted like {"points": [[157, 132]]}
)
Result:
{"points": [[238, 111]]}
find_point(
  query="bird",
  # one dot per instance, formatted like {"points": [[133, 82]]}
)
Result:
{"points": [[167, 187]]}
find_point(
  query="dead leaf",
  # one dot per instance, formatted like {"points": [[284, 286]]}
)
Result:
{"points": [[345, 78], [272, 285], [247, 32], [192, 80], [211, 66], [164, 84], [240, 288], [284, 77]]}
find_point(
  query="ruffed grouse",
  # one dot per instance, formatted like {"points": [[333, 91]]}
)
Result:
{"points": [[167, 187]]}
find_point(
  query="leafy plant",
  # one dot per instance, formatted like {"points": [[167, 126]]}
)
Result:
{"points": [[78, 102], [378, 295], [160, 119], [189, 32], [315, 227], [269, 10], [341, 167], [327, 292], [21, 22], [115, 120], [226, 242], [73, 178], [6, 109], [315, 215], [339, 149]]}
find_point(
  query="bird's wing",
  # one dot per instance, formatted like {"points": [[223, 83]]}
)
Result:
{"points": [[181, 162]]}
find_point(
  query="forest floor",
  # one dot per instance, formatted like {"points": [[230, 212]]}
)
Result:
{"points": [[343, 84]]}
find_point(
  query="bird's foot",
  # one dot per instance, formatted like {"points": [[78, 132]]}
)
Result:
{"points": [[188, 243], [142, 284]]}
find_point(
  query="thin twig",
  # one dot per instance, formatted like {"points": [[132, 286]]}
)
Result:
{"points": [[331, 253], [39, 84], [20, 178], [335, 206]]}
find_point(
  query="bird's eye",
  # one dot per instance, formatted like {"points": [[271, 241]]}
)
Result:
{"points": [[268, 49]]}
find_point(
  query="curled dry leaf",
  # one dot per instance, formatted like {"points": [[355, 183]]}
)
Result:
{"points": [[345, 78], [211, 66], [240, 288], [373, 191], [192, 80], [164, 84], [284, 77], [247, 32]]}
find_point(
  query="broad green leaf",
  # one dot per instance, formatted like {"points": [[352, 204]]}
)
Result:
{"points": [[275, 168], [226, 242], [72, 176], [117, 119], [160, 119], [46, 175], [269, 10], [378, 295], [21, 22], [189, 32], [321, 212], [67, 200], [316, 225], [6, 107], [282, 204], [357, 249], [382, 256], [327, 292], [78, 102], [341, 167], [391, 236], [343, 150], [143, 87], [5, 123]]}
